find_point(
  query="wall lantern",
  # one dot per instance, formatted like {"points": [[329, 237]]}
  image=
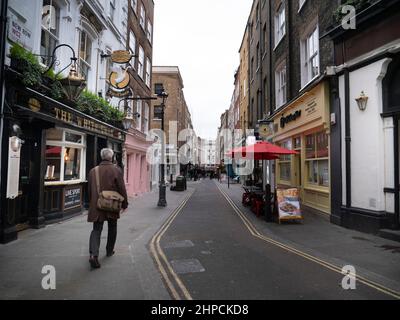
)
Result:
{"points": [[362, 101], [74, 84]]}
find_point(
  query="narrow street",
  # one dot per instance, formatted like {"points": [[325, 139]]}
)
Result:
{"points": [[215, 255], [204, 246]]}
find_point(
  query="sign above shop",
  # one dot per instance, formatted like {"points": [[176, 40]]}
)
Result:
{"points": [[290, 118]]}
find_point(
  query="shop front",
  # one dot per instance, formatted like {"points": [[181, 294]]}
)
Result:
{"points": [[44, 178], [304, 126]]}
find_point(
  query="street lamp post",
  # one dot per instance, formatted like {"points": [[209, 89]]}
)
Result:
{"points": [[162, 201]]}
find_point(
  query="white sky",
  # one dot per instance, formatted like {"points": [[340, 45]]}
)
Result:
{"points": [[202, 38]]}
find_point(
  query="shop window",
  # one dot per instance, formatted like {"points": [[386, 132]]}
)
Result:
{"points": [[317, 159], [285, 163], [65, 154]]}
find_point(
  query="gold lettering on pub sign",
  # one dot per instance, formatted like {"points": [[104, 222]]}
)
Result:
{"points": [[87, 124]]}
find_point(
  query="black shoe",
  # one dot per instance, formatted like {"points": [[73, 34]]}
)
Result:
{"points": [[94, 263], [110, 254]]}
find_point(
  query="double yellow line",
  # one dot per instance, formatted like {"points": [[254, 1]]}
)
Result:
{"points": [[171, 279], [254, 232]]}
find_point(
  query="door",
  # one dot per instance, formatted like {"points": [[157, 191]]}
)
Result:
{"points": [[397, 168], [20, 208]]}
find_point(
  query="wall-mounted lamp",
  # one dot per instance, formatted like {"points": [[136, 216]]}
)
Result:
{"points": [[362, 101]]}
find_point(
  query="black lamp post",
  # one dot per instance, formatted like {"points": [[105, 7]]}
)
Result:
{"points": [[162, 201]]}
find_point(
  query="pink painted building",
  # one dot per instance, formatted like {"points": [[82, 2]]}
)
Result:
{"points": [[140, 44], [137, 170]]}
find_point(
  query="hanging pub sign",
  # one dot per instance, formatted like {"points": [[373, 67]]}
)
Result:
{"points": [[119, 78], [121, 56]]}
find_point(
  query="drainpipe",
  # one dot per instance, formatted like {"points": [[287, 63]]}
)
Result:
{"points": [[347, 137], [271, 79], [3, 28]]}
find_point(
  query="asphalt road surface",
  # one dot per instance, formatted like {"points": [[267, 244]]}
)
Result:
{"points": [[214, 255]]}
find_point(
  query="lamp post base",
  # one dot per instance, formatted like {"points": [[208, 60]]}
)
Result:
{"points": [[162, 202]]}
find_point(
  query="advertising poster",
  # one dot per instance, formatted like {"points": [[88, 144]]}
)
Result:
{"points": [[289, 204]]}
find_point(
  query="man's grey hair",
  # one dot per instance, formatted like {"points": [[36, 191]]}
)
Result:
{"points": [[107, 154]]}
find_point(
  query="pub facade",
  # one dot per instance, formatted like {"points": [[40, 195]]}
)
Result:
{"points": [[51, 136]]}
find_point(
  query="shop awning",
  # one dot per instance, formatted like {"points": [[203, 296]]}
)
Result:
{"points": [[260, 151]]}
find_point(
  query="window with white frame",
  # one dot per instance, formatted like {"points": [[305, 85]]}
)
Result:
{"points": [[310, 57], [112, 10], [134, 5], [280, 86], [280, 23], [141, 62], [146, 118], [132, 45], [149, 31], [148, 72], [85, 53], [65, 156], [142, 17], [50, 30], [138, 118], [301, 3]]}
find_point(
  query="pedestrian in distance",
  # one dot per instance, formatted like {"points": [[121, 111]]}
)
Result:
{"points": [[107, 200]]}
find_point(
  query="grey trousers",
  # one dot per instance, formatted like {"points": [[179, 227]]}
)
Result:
{"points": [[95, 237]]}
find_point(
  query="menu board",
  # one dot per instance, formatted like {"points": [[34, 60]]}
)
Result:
{"points": [[289, 204], [72, 198]]}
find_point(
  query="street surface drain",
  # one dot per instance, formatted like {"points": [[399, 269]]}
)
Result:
{"points": [[187, 266], [180, 244]]}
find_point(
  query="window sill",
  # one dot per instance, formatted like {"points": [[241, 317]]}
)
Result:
{"points": [[324, 190], [65, 183], [310, 82], [279, 42]]}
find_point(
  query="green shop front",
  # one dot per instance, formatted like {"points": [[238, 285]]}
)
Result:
{"points": [[48, 149]]}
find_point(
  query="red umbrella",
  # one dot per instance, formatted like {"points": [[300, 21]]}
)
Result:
{"points": [[260, 151]]}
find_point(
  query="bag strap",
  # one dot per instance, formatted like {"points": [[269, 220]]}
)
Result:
{"points": [[96, 170]]}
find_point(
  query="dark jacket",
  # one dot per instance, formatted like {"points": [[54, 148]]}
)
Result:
{"points": [[111, 179]]}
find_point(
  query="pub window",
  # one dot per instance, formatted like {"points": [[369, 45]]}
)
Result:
{"points": [[50, 30], [65, 152], [317, 159], [285, 163]]}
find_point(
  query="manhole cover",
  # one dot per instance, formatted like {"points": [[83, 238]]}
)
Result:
{"points": [[179, 244], [187, 266]]}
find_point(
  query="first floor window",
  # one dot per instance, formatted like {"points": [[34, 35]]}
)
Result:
{"points": [[310, 57], [50, 30], [280, 86], [85, 53], [285, 163], [65, 152], [317, 159], [148, 72], [141, 62]]}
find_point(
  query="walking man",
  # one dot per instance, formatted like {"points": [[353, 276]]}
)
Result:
{"points": [[111, 179]]}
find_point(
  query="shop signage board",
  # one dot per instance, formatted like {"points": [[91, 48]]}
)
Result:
{"points": [[14, 158], [289, 205], [72, 197]]}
